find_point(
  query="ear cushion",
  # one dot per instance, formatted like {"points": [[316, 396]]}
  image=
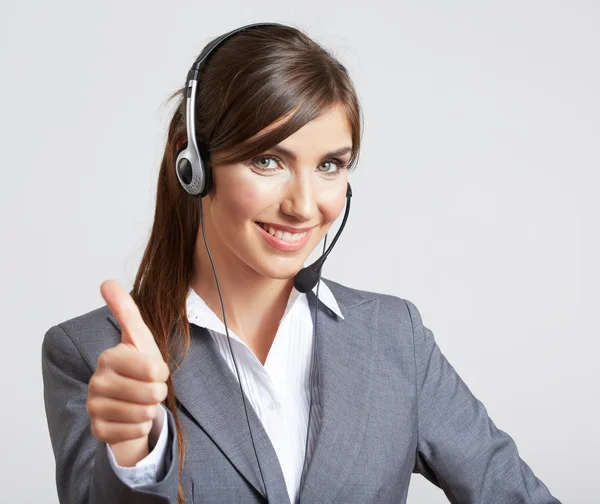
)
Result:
{"points": [[208, 183]]}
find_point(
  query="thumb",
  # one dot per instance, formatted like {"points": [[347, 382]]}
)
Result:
{"points": [[134, 332]]}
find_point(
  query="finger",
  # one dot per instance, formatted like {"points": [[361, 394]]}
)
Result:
{"points": [[126, 361], [115, 410], [115, 432], [117, 386], [123, 307]]}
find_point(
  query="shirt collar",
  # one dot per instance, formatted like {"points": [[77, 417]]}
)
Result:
{"points": [[201, 315], [327, 298]]}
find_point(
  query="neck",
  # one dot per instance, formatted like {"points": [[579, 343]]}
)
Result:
{"points": [[254, 304]]}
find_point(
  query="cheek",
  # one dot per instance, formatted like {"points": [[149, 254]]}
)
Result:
{"points": [[243, 198], [331, 208], [250, 198]]}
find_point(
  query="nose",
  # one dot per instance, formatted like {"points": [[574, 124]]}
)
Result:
{"points": [[300, 199]]}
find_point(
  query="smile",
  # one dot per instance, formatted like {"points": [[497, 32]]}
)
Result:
{"points": [[282, 235], [284, 240]]}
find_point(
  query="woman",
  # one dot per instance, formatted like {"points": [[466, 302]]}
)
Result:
{"points": [[215, 381]]}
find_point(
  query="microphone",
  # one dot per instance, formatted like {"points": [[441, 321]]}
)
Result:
{"points": [[308, 277]]}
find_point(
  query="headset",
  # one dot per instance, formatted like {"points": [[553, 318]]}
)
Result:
{"points": [[194, 173]]}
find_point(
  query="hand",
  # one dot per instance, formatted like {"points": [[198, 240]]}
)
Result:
{"points": [[129, 383]]}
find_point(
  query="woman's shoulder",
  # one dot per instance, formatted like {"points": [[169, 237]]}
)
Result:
{"points": [[86, 335], [389, 304], [398, 320]]}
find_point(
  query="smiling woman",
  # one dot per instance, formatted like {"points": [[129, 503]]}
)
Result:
{"points": [[216, 379], [286, 190]]}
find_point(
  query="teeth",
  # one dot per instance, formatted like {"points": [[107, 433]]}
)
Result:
{"points": [[283, 235]]}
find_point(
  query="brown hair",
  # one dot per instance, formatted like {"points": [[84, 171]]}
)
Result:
{"points": [[252, 79]]}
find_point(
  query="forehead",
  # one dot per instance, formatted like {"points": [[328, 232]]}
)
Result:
{"points": [[330, 130], [327, 133]]}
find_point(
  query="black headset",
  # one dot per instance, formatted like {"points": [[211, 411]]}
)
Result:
{"points": [[195, 176]]}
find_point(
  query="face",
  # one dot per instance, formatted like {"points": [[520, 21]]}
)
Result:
{"points": [[268, 213]]}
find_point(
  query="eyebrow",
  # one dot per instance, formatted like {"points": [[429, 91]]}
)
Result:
{"points": [[288, 153]]}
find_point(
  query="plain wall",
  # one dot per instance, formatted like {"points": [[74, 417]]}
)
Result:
{"points": [[476, 196]]}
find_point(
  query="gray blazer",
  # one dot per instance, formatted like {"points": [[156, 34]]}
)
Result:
{"points": [[392, 405]]}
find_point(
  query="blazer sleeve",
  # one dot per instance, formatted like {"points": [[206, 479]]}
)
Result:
{"points": [[83, 472], [459, 448]]}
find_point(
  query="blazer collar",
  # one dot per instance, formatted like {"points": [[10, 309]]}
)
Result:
{"points": [[201, 315], [207, 389]]}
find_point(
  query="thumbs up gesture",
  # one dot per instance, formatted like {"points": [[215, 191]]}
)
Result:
{"points": [[129, 383]]}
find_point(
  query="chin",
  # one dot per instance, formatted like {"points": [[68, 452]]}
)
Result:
{"points": [[281, 271]]}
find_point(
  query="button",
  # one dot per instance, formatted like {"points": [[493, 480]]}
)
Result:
{"points": [[274, 406]]}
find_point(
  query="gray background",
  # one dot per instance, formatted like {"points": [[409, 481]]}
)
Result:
{"points": [[476, 196]]}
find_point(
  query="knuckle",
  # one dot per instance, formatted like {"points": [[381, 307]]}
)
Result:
{"points": [[148, 412], [154, 393], [98, 430], [157, 370], [161, 392], [95, 386], [121, 347], [142, 429], [147, 427], [147, 368], [106, 358], [103, 359], [92, 407]]}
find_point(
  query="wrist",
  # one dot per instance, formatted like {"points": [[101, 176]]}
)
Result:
{"points": [[129, 453]]}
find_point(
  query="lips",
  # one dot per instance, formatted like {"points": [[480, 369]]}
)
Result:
{"points": [[284, 235], [284, 240]]}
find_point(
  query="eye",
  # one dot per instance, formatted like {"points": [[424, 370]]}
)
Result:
{"points": [[331, 168], [265, 163], [327, 165]]}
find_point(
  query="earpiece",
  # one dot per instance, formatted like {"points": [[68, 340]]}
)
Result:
{"points": [[191, 170], [192, 165], [194, 176]]}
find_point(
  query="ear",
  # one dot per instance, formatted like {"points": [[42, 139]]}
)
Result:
{"points": [[181, 144]]}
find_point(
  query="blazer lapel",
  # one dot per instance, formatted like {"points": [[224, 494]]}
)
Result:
{"points": [[345, 360], [210, 393], [207, 389]]}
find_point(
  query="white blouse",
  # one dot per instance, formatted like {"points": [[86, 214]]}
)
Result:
{"points": [[278, 391]]}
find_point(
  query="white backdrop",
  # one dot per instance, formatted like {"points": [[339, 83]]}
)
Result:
{"points": [[476, 196]]}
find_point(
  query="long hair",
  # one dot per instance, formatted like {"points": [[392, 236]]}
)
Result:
{"points": [[252, 79]]}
